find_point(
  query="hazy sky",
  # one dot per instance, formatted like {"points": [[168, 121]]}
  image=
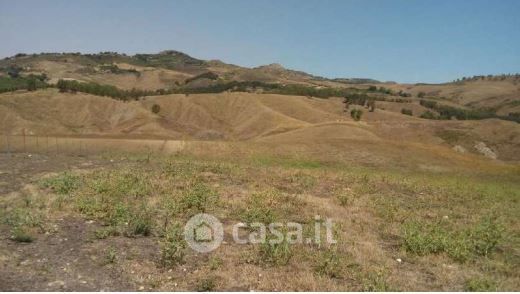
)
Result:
{"points": [[401, 40]]}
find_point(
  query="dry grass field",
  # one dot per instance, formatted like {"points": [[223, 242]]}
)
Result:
{"points": [[95, 190], [113, 222]]}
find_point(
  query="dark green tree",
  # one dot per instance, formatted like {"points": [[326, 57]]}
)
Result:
{"points": [[156, 108]]}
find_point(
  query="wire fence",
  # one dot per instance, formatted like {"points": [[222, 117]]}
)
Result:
{"points": [[54, 145], [86, 146]]}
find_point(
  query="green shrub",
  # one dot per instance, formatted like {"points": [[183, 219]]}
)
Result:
{"points": [[486, 235], [406, 111], [343, 199], [173, 246], [140, 223], [206, 284], [63, 183], [30, 83], [156, 108], [215, 263], [23, 217], [356, 114], [428, 115], [106, 232], [117, 213], [425, 238], [329, 263], [375, 282], [20, 234], [199, 197], [275, 253], [258, 209], [111, 256], [480, 285]]}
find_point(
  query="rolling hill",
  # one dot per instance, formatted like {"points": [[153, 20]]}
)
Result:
{"points": [[256, 111]]}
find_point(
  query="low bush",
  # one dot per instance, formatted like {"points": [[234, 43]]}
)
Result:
{"points": [[63, 183], [140, 222], [30, 83], [480, 285], [20, 234], [406, 111], [428, 115], [173, 246], [275, 253], [199, 197], [330, 263], [156, 108], [480, 240], [356, 114], [206, 284]]}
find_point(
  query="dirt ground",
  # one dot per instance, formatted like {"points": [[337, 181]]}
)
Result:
{"points": [[60, 260]]}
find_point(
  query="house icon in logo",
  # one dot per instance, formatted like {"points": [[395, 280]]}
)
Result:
{"points": [[203, 232]]}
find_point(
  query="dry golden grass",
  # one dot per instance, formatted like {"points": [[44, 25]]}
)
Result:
{"points": [[307, 122]]}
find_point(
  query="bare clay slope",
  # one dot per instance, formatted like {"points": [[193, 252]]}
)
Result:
{"points": [[316, 125], [236, 116]]}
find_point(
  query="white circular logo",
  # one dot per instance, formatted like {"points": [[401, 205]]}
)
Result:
{"points": [[203, 232]]}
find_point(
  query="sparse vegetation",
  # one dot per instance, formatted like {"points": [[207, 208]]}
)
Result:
{"points": [[356, 114], [406, 111], [20, 234], [400, 212], [140, 222], [423, 239], [173, 246], [428, 115], [156, 108], [376, 282], [449, 112], [63, 183], [153, 196], [199, 198], [480, 285], [330, 263], [113, 68], [29, 83], [111, 255], [206, 284], [72, 86], [207, 75], [215, 263], [275, 253]]}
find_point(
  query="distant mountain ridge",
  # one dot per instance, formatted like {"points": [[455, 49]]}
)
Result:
{"points": [[178, 61]]}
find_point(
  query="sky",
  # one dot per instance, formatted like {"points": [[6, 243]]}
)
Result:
{"points": [[389, 40]]}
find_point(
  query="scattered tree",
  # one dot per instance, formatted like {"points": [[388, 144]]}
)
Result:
{"points": [[31, 84], [428, 115], [356, 114], [406, 111], [156, 108]]}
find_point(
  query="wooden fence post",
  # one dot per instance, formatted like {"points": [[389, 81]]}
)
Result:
{"points": [[23, 133], [7, 144]]}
